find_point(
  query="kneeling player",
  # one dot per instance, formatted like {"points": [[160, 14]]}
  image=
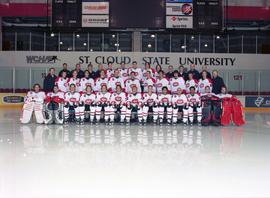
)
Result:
{"points": [[165, 105], [150, 101], [118, 101], [180, 105], [194, 106], [54, 104], [103, 104], [134, 102], [87, 105], [72, 99], [33, 102]]}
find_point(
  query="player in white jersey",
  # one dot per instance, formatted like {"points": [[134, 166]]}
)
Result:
{"points": [[61, 82], [131, 82], [115, 80], [102, 80], [191, 82], [150, 101], [74, 80], [148, 80], [118, 102], [137, 71], [162, 82], [87, 105], [54, 104], [103, 104], [109, 70], [134, 104], [72, 99], [224, 93], [33, 102], [123, 71], [148, 69], [180, 105], [177, 82], [86, 81], [204, 82], [194, 101], [164, 105]]}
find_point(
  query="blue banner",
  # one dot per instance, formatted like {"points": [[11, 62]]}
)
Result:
{"points": [[258, 101]]}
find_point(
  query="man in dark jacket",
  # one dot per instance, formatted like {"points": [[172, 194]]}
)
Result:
{"points": [[182, 72], [196, 74], [66, 70], [79, 71], [92, 74], [218, 83], [49, 81], [169, 74]]}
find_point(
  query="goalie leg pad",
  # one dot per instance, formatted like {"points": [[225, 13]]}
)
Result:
{"points": [[27, 112], [38, 108]]}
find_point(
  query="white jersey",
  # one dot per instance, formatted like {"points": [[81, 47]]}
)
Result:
{"points": [[194, 99], [130, 83], [88, 99], [75, 81], [62, 84], [138, 72], [124, 73], [109, 73], [191, 83], [147, 82], [134, 99], [162, 83], [103, 98], [118, 98], [165, 99], [176, 83], [179, 100], [35, 97], [114, 81], [59, 94], [204, 83], [86, 82], [150, 99], [72, 98], [100, 82]]}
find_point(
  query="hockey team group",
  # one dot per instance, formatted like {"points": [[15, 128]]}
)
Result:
{"points": [[133, 95]]}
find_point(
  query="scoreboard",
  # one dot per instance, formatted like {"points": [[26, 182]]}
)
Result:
{"points": [[156, 14]]}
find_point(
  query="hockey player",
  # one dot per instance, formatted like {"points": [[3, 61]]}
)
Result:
{"points": [[103, 104], [148, 69], [164, 105], [177, 82], [115, 80], [118, 102], [53, 109], [194, 106], [180, 105], [33, 102], [150, 102], [102, 80], [191, 82], [162, 82], [131, 82], [86, 81], [72, 99], [123, 71], [204, 82], [87, 105], [148, 81], [74, 80], [137, 71], [134, 104], [61, 82]]}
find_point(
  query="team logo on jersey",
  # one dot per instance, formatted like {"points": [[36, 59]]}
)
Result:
{"points": [[87, 84], [72, 99], [159, 85], [65, 84], [103, 99], [135, 101], [175, 84], [165, 100], [118, 99], [180, 101], [187, 85], [201, 85], [193, 100], [150, 100], [88, 101]]}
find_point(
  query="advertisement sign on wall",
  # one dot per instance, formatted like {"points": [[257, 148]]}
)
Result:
{"points": [[182, 9], [258, 101], [95, 20], [95, 7], [11, 99], [181, 22]]}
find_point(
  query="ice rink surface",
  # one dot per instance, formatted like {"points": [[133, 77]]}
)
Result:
{"points": [[38, 161]]}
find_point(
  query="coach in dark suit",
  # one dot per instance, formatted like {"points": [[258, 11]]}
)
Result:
{"points": [[217, 82]]}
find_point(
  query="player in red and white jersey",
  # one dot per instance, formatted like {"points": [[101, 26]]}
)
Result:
{"points": [[103, 104], [109, 70], [87, 105], [177, 82], [134, 104], [72, 99], [180, 105], [148, 69], [74, 80], [150, 101], [115, 80], [102, 80], [118, 102], [165, 105], [33, 102], [137, 71], [86, 81], [123, 71], [132, 81], [224, 93], [162, 82], [148, 81], [191, 82], [204, 82], [194, 101], [61, 82]]}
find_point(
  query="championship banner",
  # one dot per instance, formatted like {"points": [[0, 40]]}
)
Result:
{"points": [[12, 99]]}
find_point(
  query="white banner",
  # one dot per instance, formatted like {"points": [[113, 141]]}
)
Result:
{"points": [[95, 20], [184, 9], [213, 61], [95, 7], [181, 22]]}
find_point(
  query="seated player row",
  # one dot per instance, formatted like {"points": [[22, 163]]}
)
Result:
{"points": [[126, 83]]}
